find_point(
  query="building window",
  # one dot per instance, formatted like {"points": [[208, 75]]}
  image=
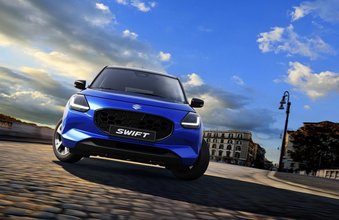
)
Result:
{"points": [[228, 154], [213, 152], [238, 148], [240, 142], [229, 147], [220, 153], [208, 139], [230, 135], [239, 135], [230, 141], [237, 155], [221, 146], [222, 141], [214, 146]]}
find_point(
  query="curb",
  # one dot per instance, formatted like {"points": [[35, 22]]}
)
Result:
{"points": [[26, 140], [271, 175]]}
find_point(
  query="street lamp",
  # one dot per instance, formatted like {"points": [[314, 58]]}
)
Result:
{"points": [[282, 103]]}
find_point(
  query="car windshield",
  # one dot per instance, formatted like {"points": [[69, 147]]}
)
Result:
{"points": [[145, 83]]}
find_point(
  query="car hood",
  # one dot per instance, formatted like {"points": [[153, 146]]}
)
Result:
{"points": [[136, 99]]}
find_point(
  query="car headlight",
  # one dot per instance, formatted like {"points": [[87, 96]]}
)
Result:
{"points": [[79, 103], [191, 120]]}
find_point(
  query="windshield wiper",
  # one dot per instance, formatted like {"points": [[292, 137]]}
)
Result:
{"points": [[150, 94], [103, 88], [143, 93]]}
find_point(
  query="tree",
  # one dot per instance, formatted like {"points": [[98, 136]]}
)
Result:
{"points": [[316, 145]]}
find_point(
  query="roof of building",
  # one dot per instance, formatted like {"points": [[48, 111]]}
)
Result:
{"points": [[228, 131], [321, 122]]}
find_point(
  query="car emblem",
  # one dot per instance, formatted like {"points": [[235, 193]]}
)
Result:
{"points": [[136, 107]]}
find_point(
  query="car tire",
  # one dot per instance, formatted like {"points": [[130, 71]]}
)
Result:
{"points": [[60, 151], [199, 167]]}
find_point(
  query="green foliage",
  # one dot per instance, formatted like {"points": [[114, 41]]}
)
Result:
{"points": [[316, 145]]}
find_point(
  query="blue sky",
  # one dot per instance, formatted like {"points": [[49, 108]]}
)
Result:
{"points": [[240, 56]]}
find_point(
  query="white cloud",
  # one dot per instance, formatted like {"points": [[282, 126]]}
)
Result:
{"points": [[138, 4], [45, 110], [72, 49], [37, 96], [266, 38], [65, 64], [122, 2], [164, 56], [226, 110], [5, 41], [102, 7], [327, 10], [23, 94], [238, 80], [129, 34], [152, 4], [286, 40], [69, 50], [101, 19], [193, 80], [143, 6], [277, 80], [307, 107], [300, 12], [315, 85]]}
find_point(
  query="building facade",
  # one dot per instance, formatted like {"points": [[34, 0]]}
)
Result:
{"points": [[325, 128], [231, 146], [260, 160], [288, 163]]}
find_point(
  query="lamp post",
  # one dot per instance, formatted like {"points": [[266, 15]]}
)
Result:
{"points": [[282, 103]]}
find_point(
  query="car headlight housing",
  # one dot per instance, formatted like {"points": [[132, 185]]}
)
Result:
{"points": [[79, 103], [191, 120]]}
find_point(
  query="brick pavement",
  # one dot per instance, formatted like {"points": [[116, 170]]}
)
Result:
{"points": [[33, 184]]}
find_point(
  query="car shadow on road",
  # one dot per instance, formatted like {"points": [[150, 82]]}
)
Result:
{"points": [[208, 191]]}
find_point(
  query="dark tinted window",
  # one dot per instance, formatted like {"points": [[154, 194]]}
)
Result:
{"points": [[131, 81]]}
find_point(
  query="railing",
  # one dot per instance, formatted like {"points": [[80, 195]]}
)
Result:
{"points": [[329, 173], [24, 132], [5, 124]]}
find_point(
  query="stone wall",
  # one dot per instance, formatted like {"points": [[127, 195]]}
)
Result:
{"points": [[19, 131]]}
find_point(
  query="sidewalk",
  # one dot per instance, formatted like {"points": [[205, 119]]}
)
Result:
{"points": [[309, 182]]}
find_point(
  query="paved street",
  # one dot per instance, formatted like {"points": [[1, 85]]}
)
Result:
{"points": [[33, 184]]}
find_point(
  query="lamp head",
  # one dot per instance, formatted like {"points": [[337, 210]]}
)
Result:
{"points": [[282, 102], [281, 106]]}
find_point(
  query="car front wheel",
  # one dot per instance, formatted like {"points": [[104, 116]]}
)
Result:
{"points": [[61, 151], [199, 167]]}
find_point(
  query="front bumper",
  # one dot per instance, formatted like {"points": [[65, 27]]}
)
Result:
{"points": [[80, 134], [125, 151]]}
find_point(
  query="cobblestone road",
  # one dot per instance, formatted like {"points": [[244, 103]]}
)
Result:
{"points": [[33, 184]]}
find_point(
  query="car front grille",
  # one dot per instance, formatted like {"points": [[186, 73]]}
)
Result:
{"points": [[104, 118]]}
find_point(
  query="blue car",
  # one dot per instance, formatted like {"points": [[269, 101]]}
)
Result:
{"points": [[137, 115]]}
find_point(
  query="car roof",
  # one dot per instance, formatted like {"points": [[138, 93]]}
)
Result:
{"points": [[142, 70]]}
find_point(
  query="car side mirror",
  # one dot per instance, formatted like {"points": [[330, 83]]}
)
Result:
{"points": [[80, 84], [197, 103]]}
